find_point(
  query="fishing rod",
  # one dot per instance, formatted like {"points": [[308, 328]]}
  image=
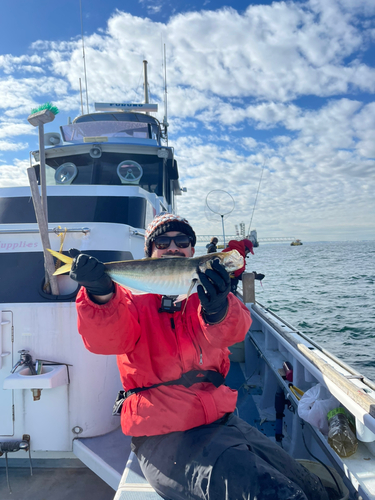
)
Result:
{"points": [[256, 197]]}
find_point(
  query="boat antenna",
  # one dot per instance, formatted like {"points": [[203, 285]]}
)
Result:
{"points": [[145, 83], [165, 121], [256, 197], [80, 91], [84, 57]]}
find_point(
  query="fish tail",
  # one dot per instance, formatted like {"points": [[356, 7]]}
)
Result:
{"points": [[64, 258]]}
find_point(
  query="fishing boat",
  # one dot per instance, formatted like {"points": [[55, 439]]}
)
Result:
{"points": [[253, 237], [108, 174], [296, 243]]}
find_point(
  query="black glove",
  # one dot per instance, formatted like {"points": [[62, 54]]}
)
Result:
{"points": [[90, 273], [214, 300]]}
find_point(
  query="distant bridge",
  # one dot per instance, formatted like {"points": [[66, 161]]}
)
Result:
{"points": [[202, 238]]}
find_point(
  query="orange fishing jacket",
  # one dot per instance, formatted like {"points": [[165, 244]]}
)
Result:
{"points": [[154, 347]]}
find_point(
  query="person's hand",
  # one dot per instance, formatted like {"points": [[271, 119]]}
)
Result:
{"points": [[213, 296], [90, 273]]}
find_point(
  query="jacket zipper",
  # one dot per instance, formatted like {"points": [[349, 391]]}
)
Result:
{"points": [[199, 347], [173, 325], [200, 356]]}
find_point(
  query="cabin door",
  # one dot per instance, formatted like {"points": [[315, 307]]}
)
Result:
{"points": [[6, 359]]}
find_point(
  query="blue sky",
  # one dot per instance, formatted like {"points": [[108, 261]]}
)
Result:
{"points": [[287, 87]]}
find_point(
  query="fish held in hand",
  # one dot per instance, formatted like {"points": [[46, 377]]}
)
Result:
{"points": [[175, 276]]}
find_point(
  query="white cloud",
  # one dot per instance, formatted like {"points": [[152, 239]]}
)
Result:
{"points": [[364, 124], [315, 183], [9, 63], [250, 143], [9, 129], [11, 146], [19, 96], [14, 175], [271, 52]]}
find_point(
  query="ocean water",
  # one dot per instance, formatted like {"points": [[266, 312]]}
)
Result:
{"points": [[326, 290]]}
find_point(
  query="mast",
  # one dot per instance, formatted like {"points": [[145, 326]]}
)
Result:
{"points": [[145, 83], [84, 58], [80, 91], [165, 121]]}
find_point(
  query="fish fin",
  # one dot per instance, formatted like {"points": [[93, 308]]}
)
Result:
{"points": [[184, 307], [63, 269], [184, 296], [180, 298], [193, 283], [63, 258], [60, 256]]}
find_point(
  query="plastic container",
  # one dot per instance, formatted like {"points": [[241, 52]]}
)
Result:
{"points": [[326, 478], [340, 437], [288, 369]]}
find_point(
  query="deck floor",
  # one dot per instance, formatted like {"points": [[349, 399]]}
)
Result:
{"points": [[53, 484], [78, 483], [246, 407]]}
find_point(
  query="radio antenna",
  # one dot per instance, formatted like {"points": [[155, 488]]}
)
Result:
{"points": [[80, 91], [165, 121], [84, 57]]}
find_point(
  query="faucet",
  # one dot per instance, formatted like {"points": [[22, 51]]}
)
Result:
{"points": [[25, 359]]}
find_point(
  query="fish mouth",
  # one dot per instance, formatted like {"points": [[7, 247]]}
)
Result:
{"points": [[172, 255]]}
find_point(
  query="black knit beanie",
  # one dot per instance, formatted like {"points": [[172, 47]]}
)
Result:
{"points": [[163, 223]]}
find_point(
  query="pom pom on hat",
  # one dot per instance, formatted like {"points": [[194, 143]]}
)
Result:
{"points": [[164, 223]]}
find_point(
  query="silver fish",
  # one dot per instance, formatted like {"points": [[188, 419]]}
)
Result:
{"points": [[175, 276]]}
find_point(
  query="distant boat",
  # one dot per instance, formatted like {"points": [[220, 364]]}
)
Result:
{"points": [[253, 237], [296, 243]]}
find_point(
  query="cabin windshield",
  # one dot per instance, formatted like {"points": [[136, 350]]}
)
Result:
{"points": [[111, 125], [104, 171]]}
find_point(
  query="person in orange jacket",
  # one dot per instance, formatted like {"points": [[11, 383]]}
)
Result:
{"points": [[173, 361], [244, 247]]}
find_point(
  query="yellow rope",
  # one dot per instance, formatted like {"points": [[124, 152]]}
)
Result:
{"points": [[297, 392]]}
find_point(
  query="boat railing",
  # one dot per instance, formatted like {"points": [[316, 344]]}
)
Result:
{"points": [[354, 373], [348, 388], [134, 232], [55, 230]]}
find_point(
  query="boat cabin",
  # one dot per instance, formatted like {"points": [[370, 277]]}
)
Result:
{"points": [[108, 174]]}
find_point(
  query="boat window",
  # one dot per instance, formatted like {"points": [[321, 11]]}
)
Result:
{"points": [[76, 132], [104, 170]]}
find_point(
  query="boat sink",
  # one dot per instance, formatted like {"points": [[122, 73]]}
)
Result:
{"points": [[51, 376]]}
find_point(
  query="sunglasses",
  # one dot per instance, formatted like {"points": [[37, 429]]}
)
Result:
{"points": [[181, 241]]}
